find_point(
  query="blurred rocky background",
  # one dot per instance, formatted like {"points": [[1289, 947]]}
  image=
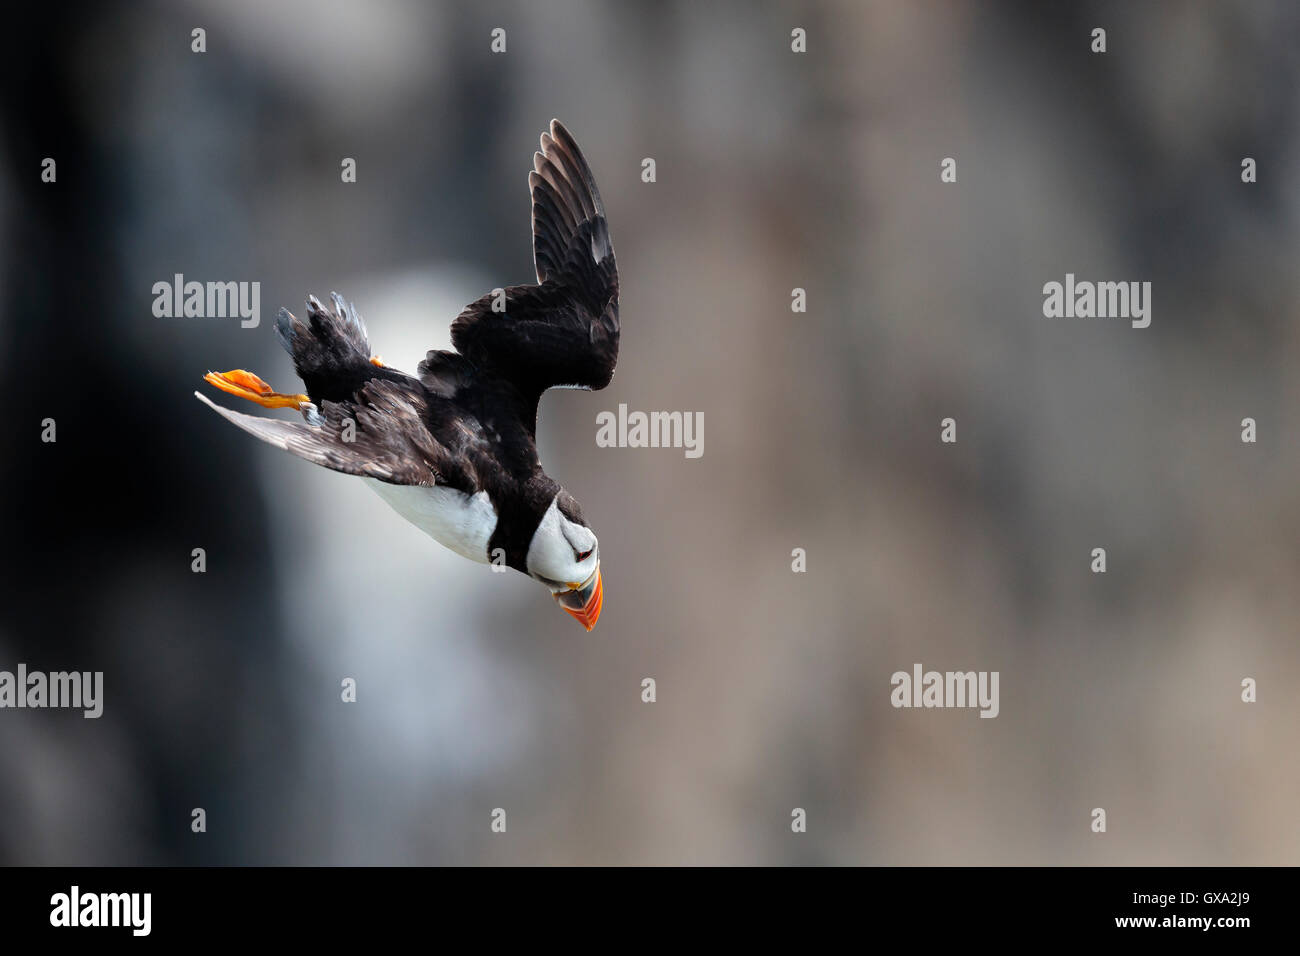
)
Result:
{"points": [[775, 170]]}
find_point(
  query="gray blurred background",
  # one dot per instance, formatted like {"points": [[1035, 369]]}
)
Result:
{"points": [[775, 170]]}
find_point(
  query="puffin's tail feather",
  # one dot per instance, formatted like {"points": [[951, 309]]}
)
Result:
{"points": [[328, 340]]}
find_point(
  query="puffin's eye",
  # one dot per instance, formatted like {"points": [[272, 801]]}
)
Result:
{"points": [[583, 556]]}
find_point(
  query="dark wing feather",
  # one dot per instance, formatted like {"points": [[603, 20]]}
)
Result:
{"points": [[394, 437], [563, 331], [564, 197], [445, 373]]}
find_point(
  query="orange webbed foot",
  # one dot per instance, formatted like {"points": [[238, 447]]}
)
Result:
{"points": [[249, 386]]}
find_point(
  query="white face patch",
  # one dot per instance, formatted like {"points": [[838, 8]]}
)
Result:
{"points": [[564, 553]]}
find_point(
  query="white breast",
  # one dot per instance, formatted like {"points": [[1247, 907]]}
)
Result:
{"points": [[463, 523]]}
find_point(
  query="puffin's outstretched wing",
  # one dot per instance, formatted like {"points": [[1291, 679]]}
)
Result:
{"points": [[390, 436], [564, 331], [565, 198]]}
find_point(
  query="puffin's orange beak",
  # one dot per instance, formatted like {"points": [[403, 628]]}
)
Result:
{"points": [[584, 601]]}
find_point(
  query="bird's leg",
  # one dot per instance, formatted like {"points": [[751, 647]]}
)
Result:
{"points": [[249, 386]]}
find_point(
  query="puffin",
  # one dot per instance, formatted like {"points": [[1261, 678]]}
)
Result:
{"points": [[453, 448]]}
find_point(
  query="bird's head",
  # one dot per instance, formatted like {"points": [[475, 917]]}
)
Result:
{"points": [[565, 556]]}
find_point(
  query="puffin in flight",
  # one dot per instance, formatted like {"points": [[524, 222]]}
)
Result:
{"points": [[453, 448]]}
